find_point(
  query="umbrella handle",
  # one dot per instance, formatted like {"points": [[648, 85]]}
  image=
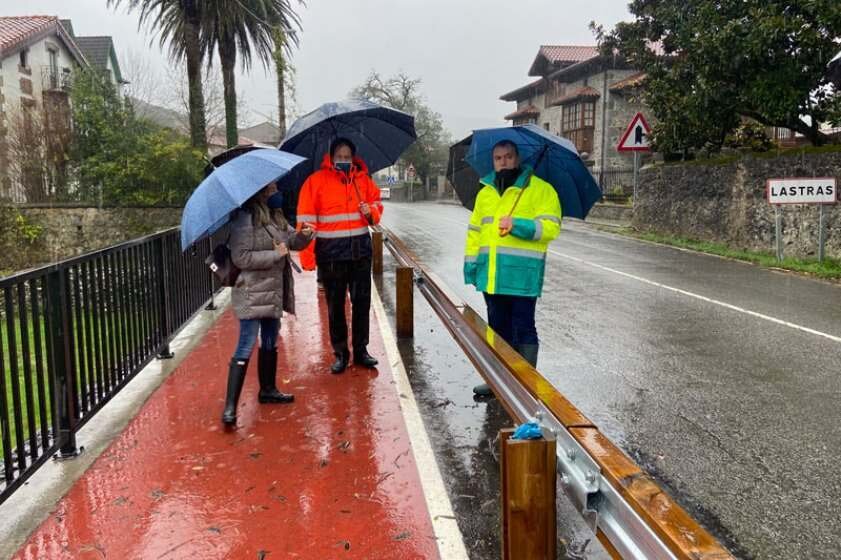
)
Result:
{"points": [[359, 196], [503, 233]]}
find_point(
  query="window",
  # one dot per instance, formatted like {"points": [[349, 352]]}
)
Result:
{"points": [[546, 126], [24, 58], [578, 122], [53, 68], [578, 115]]}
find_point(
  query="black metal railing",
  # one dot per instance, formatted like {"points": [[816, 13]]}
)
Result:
{"points": [[617, 184], [72, 334]]}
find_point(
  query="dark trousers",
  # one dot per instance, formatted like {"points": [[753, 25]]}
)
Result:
{"points": [[339, 278], [512, 318]]}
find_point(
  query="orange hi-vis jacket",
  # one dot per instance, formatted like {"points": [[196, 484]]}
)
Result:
{"points": [[330, 201]]}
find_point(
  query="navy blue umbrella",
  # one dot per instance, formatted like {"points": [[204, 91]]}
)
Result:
{"points": [[381, 134], [553, 158], [228, 187]]}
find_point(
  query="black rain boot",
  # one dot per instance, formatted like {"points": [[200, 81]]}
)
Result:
{"points": [[236, 377], [529, 353], [483, 391], [267, 371]]}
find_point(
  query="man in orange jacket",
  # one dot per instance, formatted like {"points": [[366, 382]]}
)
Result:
{"points": [[342, 200]]}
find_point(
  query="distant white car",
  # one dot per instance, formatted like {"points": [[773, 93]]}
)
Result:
{"points": [[385, 193]]}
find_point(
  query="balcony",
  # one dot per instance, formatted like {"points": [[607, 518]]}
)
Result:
{"points": [[53, 79]]}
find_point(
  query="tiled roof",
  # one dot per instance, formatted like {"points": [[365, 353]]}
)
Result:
{"points": [[629, 82], [580, 93], [527, 111], [68, 26], [96, 49], [560, 56], [568, 53], [16, 29]]}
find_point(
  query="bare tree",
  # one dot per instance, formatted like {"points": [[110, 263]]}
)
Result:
{"points": [[145, 83], [37, 144], [214, 98]]}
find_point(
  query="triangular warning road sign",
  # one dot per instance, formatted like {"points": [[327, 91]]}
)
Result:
{"points": [[635, 138]]}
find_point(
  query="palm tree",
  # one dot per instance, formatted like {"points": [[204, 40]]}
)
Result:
{"points": [[179, 24], [281, 50], [250, 27]]}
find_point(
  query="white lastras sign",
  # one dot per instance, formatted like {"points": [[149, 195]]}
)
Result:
{"points": [[817, 190]]}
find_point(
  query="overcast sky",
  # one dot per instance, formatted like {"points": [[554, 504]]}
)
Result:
{"points": [[467, 52]]}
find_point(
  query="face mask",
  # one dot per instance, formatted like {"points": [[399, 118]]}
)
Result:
{"points": [[275, 201], [506, 177], [343, 166]]}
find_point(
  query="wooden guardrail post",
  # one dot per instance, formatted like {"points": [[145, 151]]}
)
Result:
{"points": [[528, 471], [377, 256], [405, 303]]}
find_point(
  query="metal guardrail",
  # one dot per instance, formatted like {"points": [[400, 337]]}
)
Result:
{"points": [[627, 510], [72, 334]]}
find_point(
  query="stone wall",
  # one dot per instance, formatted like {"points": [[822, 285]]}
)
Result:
{"points": [[611, 214], [620, 109], [727, 203], [67, 232]]}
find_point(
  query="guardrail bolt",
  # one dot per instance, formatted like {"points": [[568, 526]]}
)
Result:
{"points": [[591, 477], [571, 454]]}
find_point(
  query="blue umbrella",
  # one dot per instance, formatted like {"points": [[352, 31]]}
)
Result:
{"points": [[553, 158], [380, 133], [229, 187]]}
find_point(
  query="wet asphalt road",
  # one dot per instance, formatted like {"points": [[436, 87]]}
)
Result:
{"points": [[722, 379]]}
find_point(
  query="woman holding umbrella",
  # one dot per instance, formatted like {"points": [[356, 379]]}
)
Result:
{"points": [[241, 186], [260, 242]]}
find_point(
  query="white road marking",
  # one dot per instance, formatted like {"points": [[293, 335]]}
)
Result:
{"points": [[700, 297], [448, 536], [693, 295]]}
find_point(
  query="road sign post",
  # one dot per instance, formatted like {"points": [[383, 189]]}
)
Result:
{"points": [[636, 173], [821, 233], [798, 190], [411, 173], [635, 139], [778, 227]]}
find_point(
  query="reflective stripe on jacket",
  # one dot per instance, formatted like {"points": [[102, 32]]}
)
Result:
{"points": [[330, 201], [514, 264]]}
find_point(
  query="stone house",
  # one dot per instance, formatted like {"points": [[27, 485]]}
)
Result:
{"points": [[583, 96]]}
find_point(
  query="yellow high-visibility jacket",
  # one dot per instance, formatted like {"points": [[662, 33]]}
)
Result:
{"points": [[514, 264]]}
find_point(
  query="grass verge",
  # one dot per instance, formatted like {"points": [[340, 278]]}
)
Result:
{"points": [[829, 269]]}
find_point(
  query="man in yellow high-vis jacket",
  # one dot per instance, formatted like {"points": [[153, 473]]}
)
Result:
{"points": [[515, 217]]}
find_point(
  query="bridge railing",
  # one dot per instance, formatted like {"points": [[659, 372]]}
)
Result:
{"points": [[72, 334]]}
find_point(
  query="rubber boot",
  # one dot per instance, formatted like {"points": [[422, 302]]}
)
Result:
{"points": [[529, 353], [236, 377], [483, 391], [267, 371]]}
